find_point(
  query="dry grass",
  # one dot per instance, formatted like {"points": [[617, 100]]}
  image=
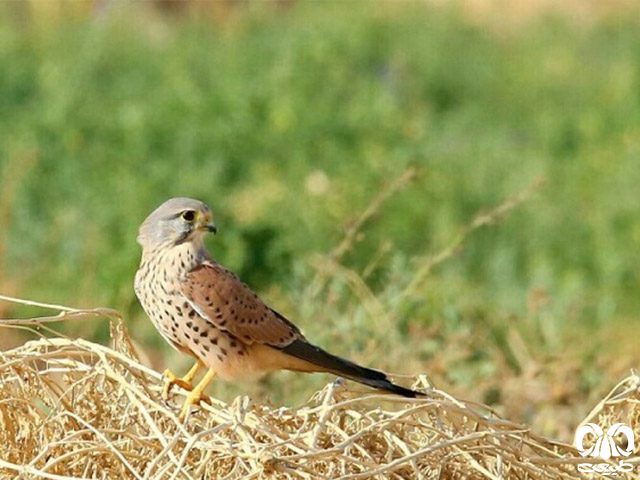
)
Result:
{"points": [[75, 409]]}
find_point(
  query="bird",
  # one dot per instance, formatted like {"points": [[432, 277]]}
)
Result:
{"points": [[204, 310]]}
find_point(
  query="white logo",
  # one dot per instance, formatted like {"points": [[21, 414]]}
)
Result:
{"points": [[605, 448]]}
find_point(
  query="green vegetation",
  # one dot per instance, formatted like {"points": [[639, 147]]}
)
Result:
{"points": [[288, 122]]}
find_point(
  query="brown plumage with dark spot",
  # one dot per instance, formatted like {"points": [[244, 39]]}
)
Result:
{"points": [[184, 290]]}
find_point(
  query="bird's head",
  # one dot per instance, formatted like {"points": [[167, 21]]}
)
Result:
{"points": [[176, 221]]}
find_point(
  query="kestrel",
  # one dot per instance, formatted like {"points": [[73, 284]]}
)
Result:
{"points": [[204, 310]]}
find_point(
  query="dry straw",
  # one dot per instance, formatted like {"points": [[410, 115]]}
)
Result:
{"points": [[72, 409]]}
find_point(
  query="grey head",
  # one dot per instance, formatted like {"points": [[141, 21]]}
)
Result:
{"points": [[176, 221]]}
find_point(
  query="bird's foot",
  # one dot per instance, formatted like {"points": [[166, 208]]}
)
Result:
{"points": [[170, 380], [193, 398], [197, 394]]}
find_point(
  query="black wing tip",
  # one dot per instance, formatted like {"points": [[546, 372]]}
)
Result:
{"points": [[390, 387], [345, 368]]}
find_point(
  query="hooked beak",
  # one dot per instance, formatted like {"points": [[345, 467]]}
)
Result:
{"points": [[210, 227]]}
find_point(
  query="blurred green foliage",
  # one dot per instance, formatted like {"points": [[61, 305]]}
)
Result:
{"points": [[289, 121]]}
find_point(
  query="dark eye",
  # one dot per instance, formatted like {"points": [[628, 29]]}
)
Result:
{"points": [[189, 215]]}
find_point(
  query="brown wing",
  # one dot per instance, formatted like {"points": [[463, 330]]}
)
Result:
{"points": [[221, 298]]}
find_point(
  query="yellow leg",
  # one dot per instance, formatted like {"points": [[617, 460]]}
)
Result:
{"points": [[196, 395], [184, 382]]}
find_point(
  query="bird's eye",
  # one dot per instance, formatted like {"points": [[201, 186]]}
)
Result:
{"points": [[188, 215]]}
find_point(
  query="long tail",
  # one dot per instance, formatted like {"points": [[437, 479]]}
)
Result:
{"points": [[344, 368]]}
